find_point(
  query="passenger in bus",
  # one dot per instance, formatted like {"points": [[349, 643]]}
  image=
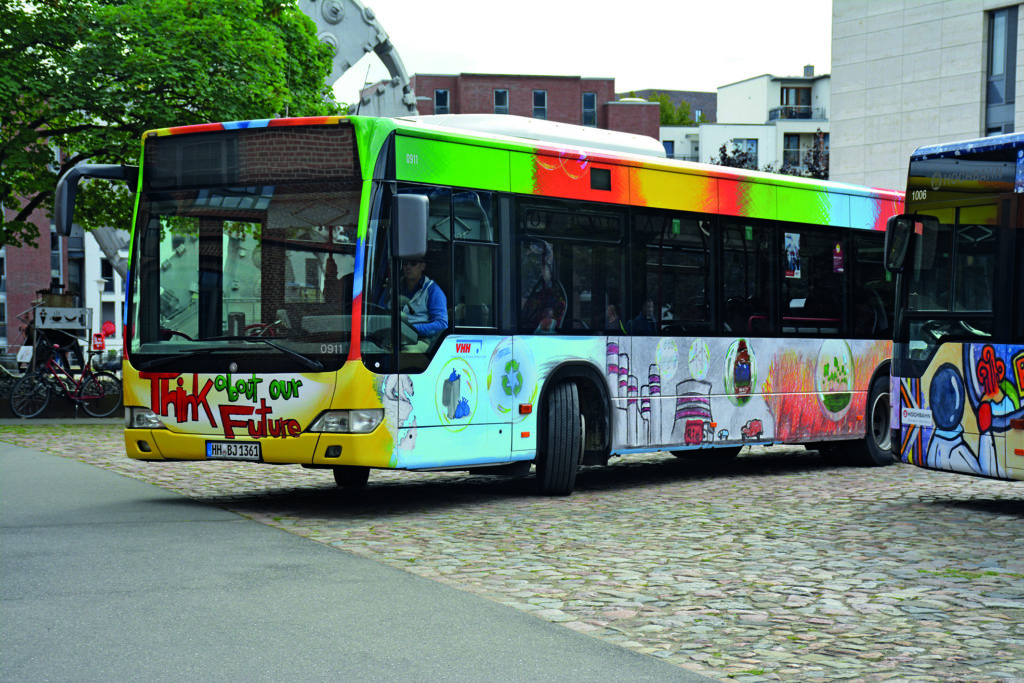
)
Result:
{"points": [[337, 289], [644, 323], [421, 300], [613, 321], [548, 324]]}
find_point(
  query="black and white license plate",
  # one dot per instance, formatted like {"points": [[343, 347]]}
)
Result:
{"points": [[233, 450]]}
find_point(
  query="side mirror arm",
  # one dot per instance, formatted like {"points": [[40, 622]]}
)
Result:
{"points": [[67, 189]]}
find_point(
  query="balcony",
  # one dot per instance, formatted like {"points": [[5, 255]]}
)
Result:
{"points": [[791, 112]]}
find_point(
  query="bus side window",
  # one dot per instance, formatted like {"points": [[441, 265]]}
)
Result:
{"points": [[749, 278], [674, 255], [475, 258], [874, 290]]}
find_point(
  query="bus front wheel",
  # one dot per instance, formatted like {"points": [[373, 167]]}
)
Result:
{"points": [[351, 476], [561, 446], [874, 449]]}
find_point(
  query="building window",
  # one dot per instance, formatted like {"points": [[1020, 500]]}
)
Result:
{"points": [[501, 101], [748, 145], [790, 150], [697, 113], [56, 260], [540, 104], [590, 109], [796, 103], [1002, 71], [670, 148], [441, 102]]}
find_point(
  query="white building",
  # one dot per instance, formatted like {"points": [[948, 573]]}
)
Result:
{"points": [[909, 73], [103, 290], [681, 142], [774, 118]]}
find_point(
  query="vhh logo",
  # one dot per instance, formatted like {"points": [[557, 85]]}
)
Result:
{"points": [[468, 347]]}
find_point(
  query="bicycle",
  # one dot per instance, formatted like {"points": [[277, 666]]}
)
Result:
{"points": [[98, 392]]}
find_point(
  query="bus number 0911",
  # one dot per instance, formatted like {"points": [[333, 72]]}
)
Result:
{"points": [[331, 348]]}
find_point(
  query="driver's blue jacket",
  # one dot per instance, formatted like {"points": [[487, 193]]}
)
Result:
{"points": [[425, 306]]}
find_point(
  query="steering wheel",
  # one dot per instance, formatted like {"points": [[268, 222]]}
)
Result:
{"points": [[260, 330], [166, 334]]}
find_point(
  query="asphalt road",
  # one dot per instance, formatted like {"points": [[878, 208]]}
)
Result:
{"points": [[107, 578]]}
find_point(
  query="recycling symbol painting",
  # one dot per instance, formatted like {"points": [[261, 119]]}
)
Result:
{"points": [[511, 378]]}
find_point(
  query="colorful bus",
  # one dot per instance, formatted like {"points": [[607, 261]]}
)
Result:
{"points": [[958, 363], [583, 299]]}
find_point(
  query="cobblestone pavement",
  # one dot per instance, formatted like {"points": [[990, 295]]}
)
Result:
{"points": [[774, 566]]}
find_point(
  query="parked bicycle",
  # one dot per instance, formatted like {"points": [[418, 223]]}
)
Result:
{"points": [[98, 392]]}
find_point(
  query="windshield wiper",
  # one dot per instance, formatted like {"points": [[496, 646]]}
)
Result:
{"points": [[157, 362], [294, 355]]}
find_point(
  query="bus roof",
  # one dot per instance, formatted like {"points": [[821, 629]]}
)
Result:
{"points": [[642, 177], [974, 146], [542, 131]]}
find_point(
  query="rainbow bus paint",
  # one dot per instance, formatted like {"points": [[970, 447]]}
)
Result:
{"points": [[583, 299]]}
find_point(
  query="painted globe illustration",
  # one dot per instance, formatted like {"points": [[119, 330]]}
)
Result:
{"points": [[833, 377]]}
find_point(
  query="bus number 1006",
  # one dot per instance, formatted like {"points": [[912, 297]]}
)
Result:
{"points": [[919, 195]]}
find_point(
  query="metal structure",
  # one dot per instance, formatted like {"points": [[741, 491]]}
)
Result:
{"points": [[353, 31]]}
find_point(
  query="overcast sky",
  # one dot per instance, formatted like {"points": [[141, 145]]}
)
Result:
{"points": [[668, 44]]}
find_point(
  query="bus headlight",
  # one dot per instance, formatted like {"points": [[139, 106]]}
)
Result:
{"points": [[141, 418], [348, 421]]}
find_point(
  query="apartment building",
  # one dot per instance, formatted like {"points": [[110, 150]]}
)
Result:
{"points": [[774, 118], [918, 72]]}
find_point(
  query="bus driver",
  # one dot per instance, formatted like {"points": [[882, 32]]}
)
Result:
{"points": [[421, 299]]}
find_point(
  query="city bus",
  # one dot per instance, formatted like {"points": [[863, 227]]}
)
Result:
{"points": [[958, 357], [588, 299]]}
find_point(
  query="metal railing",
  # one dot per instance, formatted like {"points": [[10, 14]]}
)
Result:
{"points": [[796, 112]]}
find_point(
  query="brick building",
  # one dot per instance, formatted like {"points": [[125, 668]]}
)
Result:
{"points": [[564, 99], [23, 272]]}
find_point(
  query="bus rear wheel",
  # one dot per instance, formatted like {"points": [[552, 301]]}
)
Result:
{"points": [[874, 449], [561, 446]]}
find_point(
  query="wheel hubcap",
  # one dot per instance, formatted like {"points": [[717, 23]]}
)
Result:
{"points": [[880, 422]]}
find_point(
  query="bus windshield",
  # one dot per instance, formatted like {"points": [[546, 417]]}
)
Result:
{"points": [[949, 280], [233, 263]]}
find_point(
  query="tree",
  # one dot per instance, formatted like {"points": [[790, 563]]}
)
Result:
{"points": [[737, 158], [83, 80], [816, 160], [670, 114]]}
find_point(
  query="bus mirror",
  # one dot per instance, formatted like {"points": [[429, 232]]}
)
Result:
{"points": [[67, 189], [898, 230], [899, 233], [409, 224]]}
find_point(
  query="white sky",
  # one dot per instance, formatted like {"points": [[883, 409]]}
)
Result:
{"points": [[666, 44]]}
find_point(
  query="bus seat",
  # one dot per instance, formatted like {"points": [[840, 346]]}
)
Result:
{"points": [[478, 315]]}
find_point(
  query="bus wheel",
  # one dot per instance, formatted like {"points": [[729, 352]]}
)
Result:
{"points": [[351, 476], [561, 446], [873, 449]]}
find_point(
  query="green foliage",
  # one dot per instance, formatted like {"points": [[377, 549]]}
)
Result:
{"points": [[83, 80], [670, 114]]}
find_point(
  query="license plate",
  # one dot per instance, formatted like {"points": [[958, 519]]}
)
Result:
{"points": [[232, 450]]}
